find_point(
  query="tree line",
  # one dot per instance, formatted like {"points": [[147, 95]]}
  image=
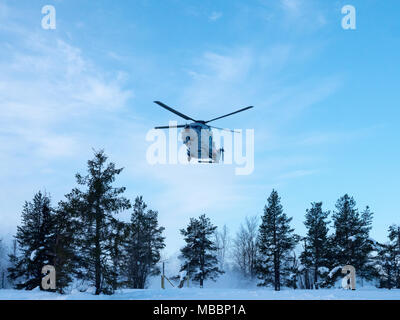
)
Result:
{"points": [[272, 253], [83, 239], [90, 247]]}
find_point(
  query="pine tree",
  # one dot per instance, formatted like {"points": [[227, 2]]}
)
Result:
{"points": [[96, 208], [365, 246], [2, 266], [66, 258], [144, 245], [13, 260], [394, 237], [388, 260], [275, 242], [316, 254], [386, 265], [199, 255], [292, 268], [118, 254], [35, 239], [351, 242]]}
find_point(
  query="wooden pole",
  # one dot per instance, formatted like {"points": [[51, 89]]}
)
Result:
{"points": [[170, 282], [162, 277], [188, 274]]}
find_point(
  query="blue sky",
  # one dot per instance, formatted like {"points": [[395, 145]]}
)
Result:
{"points": [[326, 102]]}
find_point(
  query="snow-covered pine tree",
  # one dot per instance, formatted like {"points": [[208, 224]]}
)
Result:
{"points": [[275, 242], [67, 225], [35, 239], [144, 244], [13, 260], [386, 265], [3, 265], [199, 255], [388, 260], [316, 251], [118, 254], [365, 246], [351, 244], [292, 269], [394, 237], [97, 205]]}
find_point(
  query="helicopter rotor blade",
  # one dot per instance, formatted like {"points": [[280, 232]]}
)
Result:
{"points": [[174, 111], [171, 127], [225, 129], [229, 114]]}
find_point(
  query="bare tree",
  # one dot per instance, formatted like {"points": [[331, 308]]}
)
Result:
{"points": [[3, 265], [222, 242], [245, 247]]}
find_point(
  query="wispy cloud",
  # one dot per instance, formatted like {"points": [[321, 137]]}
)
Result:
{"points": [[329, 138], [215, 79], [293, 15], [4, 10], [53, 101], [292, 6], [45, 84], [214, 16]]}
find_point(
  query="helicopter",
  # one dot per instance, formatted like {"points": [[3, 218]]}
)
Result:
{"points": [[198, 137]]}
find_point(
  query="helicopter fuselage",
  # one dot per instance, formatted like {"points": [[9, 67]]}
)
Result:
{"points": [[198, 138]]}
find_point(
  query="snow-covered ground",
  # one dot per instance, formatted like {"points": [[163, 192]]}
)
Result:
{"points": [[212, 294]]}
